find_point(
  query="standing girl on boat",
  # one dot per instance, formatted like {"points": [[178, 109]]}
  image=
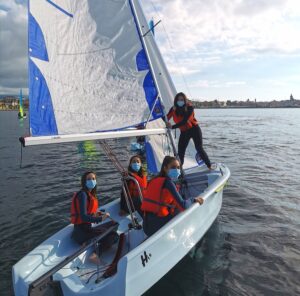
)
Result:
{"points": [[135, 170], [184, 117], [162, 200], [84, 212]]}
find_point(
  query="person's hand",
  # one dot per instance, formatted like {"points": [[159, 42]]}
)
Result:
{"points": [[199, 200], [169, 125], [105, 215], [125, 173]]}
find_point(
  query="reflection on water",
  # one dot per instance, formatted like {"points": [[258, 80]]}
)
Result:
{"points": [[88, 152], [251, 249]]}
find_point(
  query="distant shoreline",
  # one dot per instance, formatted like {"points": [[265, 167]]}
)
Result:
{"points": [[11, 103], [8, 110], [241, 107], [198, 108]]}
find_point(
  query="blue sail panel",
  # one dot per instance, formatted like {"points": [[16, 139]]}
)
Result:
{"points": [[42, 119], [149, 85], [36, 40]]}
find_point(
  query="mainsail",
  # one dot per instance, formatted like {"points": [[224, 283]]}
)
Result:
{"points": [[88, 69], [94, 69]]}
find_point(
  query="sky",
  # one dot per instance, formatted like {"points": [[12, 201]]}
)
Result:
{"points": [[225, 50]]}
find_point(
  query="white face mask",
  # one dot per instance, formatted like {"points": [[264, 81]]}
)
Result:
{"points": [[174, 174], [90, 184], [180, 103]]}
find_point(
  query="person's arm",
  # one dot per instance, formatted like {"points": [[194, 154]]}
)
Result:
{"points": [[186, 116], [82, 197], [180, 202], [170, 114]]}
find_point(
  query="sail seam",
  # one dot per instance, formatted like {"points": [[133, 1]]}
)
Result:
{"points": [[59, 8]]}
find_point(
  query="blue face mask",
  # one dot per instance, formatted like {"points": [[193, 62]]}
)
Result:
{"points": [[90, 184], [174, 174], [136, 166], [180, 103]]}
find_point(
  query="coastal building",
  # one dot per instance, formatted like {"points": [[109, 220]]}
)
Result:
{"points": [[12, 103]]}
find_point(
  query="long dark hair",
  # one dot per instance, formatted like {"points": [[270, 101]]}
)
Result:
{"points": [[167, 160], [178, 110], [141, 172], [83, 183]]}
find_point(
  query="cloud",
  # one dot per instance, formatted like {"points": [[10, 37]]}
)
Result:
{"points": [[204, 38], [237, 28], [217, 84], [243, 24], [215, 40], [13, 46]]}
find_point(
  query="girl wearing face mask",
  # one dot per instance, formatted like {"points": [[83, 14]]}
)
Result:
{"points": [[183, 115], [84, 212], [136, 170], [162, 200]]}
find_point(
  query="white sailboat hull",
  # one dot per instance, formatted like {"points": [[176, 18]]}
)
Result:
{"points": [[169, 246], [145, 260]]}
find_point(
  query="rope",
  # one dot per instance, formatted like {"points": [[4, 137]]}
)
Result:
{"points": [[115, 161], [112, 157]]}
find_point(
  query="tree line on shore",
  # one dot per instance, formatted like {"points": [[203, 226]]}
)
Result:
{"points": [[291, 103], [12, 103]]}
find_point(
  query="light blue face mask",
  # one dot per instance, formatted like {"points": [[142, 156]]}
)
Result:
{"points": [[136, 166], [180, 103], [90, 184], [174, 174]]}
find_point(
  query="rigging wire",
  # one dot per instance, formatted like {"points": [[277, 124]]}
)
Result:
{"points": [[172, 50]]}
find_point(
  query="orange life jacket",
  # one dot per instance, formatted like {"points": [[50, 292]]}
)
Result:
{"points": [[92, 207], [192, 121], [159, 200], [133, 190]]}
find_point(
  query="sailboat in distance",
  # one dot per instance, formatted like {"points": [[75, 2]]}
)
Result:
{"points": [[21, 113], [96, 73]]}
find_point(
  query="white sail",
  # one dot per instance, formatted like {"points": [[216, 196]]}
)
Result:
{"points": [[93, 69], [167, 92], [88, 68]]}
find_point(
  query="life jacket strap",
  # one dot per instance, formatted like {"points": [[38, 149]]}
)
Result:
{"points": [[159, 203]]}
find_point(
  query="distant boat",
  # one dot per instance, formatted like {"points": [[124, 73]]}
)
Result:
{"points": [[95, 73], [21, 113]]}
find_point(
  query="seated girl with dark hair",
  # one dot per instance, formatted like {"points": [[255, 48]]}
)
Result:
{"points": [[84, 212], [135, 170], [162, 200]]}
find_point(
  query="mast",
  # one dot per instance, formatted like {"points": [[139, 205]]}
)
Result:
{"points": [[142, 36]]}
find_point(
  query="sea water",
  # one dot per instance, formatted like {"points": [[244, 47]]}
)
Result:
{"points": [[253, 248]]}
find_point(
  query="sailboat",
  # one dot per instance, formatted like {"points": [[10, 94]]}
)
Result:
{"points": [[21, 113], [95, 73]]}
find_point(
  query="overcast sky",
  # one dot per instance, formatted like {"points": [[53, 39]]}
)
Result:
{"points": [[216, 49]]}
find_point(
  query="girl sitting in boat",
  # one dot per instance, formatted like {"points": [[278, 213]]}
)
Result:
{"points": [[84, 212], [135, 170], [162, 200], [184, 117]]}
